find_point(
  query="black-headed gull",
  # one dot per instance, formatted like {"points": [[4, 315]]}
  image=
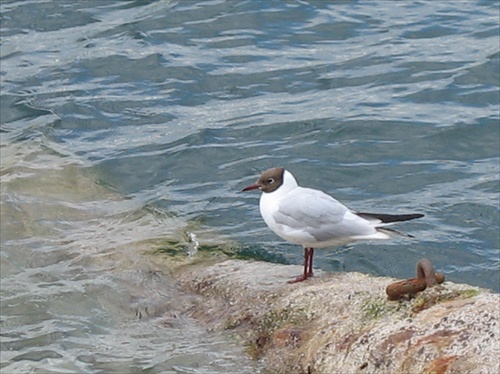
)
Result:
{"points": [[314, 219]]}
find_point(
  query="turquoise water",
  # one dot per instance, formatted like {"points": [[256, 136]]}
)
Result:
{"points": [[128, 123]]}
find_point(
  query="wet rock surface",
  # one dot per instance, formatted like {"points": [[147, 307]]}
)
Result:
{"points": [[343, 322]]}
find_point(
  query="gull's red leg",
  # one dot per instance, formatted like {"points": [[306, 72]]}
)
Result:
{"points": [[308, 254], [310, 263]]}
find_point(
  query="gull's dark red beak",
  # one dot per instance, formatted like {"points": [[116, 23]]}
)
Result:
{"points": [[251, 187]]}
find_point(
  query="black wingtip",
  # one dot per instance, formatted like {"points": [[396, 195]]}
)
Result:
{"points": [[389, 218]]}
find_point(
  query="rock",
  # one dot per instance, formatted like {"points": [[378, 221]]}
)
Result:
{"points": [[343, 322]]}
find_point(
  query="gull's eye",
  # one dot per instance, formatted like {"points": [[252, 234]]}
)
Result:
{"points": [[270, 181]]}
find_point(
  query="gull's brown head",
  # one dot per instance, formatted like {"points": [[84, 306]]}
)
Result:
{"points": [[269, 181]]}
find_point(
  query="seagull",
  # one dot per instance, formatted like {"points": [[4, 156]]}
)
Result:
{"points": [[313, 219]]}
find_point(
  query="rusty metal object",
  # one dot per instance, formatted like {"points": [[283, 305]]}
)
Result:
{"points": [[426, 277]]}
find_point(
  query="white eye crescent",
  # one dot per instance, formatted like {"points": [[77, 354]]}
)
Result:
{"points": [[270, 180]]}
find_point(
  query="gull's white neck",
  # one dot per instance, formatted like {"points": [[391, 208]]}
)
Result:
{"points": [[289, 183]]}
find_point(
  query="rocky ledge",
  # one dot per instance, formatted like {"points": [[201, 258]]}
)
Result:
{"points": [[344, 323]]}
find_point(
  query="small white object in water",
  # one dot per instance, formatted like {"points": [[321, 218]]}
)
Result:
{"points": [[193, 249]]}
